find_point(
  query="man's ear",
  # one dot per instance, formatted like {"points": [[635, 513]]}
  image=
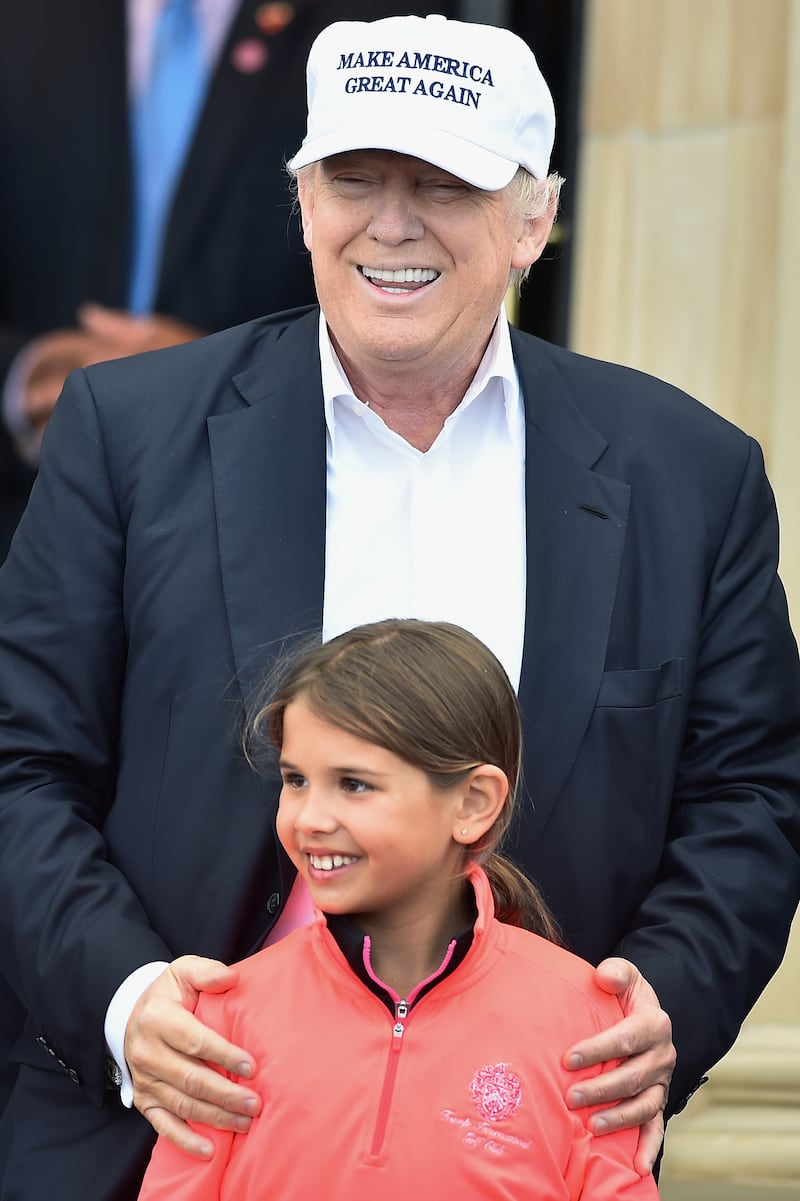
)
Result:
{"points": [[305, 197], [534, 237], [483, 795]]}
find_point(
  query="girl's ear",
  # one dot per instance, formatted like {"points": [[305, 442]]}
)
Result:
{"points": [[483, 795]]}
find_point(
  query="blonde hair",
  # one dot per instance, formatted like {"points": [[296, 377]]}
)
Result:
{"points": [[532, 198], [435, 696]]}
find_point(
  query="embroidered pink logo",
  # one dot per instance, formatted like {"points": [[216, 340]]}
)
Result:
{"points": [[496, 1091]]}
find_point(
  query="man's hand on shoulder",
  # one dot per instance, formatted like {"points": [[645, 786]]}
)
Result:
{"points": [[168, 1052], [640, 1084]]}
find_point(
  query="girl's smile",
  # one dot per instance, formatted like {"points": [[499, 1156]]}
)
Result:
{"points": [[327, 863], [369, 832]]}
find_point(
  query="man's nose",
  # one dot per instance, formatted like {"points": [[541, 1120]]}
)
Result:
{"points": [[395, 219]]}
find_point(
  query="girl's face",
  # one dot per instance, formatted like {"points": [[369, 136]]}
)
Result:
{"points": [[366, 830]]}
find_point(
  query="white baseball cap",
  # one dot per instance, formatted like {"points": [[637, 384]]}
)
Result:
{"points": [[467, 98]]}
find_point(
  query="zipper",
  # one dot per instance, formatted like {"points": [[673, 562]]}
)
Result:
{"points": [[385, 1103], [402, 1009]]}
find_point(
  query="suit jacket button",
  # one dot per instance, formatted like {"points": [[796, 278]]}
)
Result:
{"points": [[273, 902], [73, 1075]]}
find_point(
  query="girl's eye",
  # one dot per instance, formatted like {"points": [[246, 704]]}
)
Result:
{"points": [[351, 784], [293, 779]]}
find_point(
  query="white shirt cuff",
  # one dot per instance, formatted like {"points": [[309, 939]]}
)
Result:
{"points": [[117, 1017]]}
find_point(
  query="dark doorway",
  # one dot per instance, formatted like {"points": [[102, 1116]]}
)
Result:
{"points": [[554, 31]]}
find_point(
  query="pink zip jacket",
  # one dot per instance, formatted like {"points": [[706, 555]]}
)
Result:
{"points": [[459, 1093]]}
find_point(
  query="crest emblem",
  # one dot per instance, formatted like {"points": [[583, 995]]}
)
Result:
{"points": [[496, 1091]]}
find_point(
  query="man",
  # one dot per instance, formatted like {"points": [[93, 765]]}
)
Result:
{"points": [[612, 540]]}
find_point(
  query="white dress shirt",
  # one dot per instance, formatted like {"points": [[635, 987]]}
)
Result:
{"points": [[438, 534]]}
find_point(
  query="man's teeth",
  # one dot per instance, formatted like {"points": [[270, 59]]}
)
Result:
{"points": [[326, 863], [405, 275]]}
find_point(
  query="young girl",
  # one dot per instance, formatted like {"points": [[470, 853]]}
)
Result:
{"points": [[408, 1041]]}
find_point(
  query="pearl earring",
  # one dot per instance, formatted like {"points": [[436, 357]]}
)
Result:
{"points": [[464, 831]]}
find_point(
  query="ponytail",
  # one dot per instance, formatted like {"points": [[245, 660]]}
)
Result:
{"points": [[517, 901]]}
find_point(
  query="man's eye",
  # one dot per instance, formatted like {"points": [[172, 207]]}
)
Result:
{"points": [[352, 183], [444, 189]]}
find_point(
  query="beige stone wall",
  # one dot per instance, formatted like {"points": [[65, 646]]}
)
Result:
{"points": [[687, 247]]}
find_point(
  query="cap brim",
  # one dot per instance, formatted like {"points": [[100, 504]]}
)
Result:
{"points": [[475, 165]]}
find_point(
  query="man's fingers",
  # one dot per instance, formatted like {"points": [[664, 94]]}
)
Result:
{"points": [[645, 1107], [176, 1088], [165, 1069], [129, 333], [235, 1112], [165, 1041], [202, 975], [618, 1085], [202, 1045], [618, 1042], [642, 1031], [634, 1091], [102, 320], [651, 1136], [163, 1122], [120, 329], [160, 1028], [168, 1051], [617, 975]]}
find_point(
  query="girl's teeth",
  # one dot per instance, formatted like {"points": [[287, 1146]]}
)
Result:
{"points": [[326, 863]]}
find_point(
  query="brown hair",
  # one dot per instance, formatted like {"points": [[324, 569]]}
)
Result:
{"points": [[435, 696]]}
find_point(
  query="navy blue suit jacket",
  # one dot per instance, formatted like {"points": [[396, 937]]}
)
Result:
{"points": [[175, 539]]}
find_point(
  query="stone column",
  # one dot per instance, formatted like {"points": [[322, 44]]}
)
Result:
{"points": [[687, 251]]}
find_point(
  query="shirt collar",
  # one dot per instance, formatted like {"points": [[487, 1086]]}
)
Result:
{"points": [[497, 364], [353, 945]]}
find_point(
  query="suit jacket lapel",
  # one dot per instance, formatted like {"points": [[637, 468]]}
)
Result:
{"points": [[576, 521], [269, 479]]}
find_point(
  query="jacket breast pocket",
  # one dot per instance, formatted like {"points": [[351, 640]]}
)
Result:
{"points": [[621, 785], [641, 688]]}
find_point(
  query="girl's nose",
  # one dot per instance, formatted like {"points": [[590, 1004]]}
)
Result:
{"points": [[315, 814]]}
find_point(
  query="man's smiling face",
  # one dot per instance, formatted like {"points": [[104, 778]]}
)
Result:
{"points": [[411, 264]]}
